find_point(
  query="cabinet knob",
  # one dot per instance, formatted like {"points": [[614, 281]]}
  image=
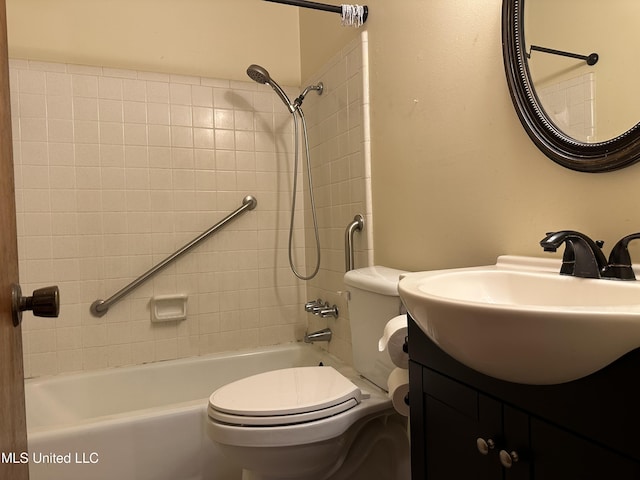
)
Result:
{"points": [[485, 446], [508, 459]]}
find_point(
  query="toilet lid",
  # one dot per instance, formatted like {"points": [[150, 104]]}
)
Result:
{"points": [[284, 396]]}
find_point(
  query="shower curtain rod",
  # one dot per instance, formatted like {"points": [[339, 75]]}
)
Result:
{"points": [[318, 6], [591, 59]]}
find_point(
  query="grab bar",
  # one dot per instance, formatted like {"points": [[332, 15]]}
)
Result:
{"points": [[356, 225], [100, 307]]}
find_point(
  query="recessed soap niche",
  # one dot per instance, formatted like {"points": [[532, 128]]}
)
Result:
{"points": [[168, 308]]}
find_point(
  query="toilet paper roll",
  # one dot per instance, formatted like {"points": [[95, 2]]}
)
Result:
{"points": [[398, 383], [393, 338]]}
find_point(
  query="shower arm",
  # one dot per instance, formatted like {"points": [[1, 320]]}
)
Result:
{"points": [[297, 103]]}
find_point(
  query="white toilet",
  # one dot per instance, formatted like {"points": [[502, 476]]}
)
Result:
{"points": [[315, 423]]}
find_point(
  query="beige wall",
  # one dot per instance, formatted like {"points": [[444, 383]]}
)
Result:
{"points": [[456, 181], [322, 39], [211, 38]]}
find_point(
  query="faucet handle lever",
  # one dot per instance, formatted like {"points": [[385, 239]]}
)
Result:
{"points": [[312, 305], [620, 265], [328, 311]]}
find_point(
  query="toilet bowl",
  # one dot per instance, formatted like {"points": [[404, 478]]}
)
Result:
{"points": [[316, 423]]}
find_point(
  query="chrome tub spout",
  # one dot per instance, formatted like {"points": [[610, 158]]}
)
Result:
{"points": [[323, 335]]}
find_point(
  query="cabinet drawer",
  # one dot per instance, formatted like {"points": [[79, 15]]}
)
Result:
{"points": [[453, 394]]}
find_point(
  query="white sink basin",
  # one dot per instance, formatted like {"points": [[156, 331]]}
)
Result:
{"points": [[521, 321]]}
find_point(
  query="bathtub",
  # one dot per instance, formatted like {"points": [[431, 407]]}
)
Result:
{"points": [[142, 422]]}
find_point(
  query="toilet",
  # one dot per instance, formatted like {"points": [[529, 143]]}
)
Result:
{"points": [[318, 423]]}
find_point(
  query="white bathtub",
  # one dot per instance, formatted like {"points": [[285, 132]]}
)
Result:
{"points": [[144, 422]]}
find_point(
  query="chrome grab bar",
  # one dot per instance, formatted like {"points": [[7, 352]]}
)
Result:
{"points": [[100, 307], [356, 225]]}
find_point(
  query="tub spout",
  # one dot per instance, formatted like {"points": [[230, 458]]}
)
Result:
{"points": [[323, 335]]}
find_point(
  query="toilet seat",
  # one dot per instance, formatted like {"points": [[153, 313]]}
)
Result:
{"points": [[284, 397]]}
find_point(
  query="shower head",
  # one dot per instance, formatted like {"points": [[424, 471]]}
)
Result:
{"points": [[260, 75]]}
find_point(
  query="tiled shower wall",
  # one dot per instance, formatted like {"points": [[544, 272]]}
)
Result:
{"points": [[339, 134], [571, 104], [115, 170]]}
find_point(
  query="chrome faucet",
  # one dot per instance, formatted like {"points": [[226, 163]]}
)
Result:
{"points": [[582, 256], [313, 306], [620, 265], [323, 335], [318, 307]]}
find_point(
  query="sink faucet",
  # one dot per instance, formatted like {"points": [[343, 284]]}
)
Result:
{"points": [[582, 256], [620, 265]]}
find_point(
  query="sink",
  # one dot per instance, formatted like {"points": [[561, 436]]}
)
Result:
{"points": [[521, 321]]}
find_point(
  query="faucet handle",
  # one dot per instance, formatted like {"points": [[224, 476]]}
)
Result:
{"points": [[620, 265], [328, 311], [312, 305], [319, 307]]}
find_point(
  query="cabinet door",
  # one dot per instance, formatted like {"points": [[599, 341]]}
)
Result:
{"points": [[516, 446], [456, 418], [560, 455]]}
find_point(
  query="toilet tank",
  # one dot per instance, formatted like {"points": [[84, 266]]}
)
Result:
{"points": [[373, 301]]}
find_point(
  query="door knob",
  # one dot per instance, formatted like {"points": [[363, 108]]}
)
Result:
{"points": [[44, 302], [508, 459], [485, 446]]}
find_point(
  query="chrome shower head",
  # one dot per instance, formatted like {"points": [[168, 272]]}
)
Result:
{"points": [[259, 74]]}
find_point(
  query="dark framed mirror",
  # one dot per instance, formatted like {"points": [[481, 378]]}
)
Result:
{"points": [[535, 77]]}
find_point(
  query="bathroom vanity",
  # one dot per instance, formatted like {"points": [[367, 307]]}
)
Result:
{"points": [[467, 425]]}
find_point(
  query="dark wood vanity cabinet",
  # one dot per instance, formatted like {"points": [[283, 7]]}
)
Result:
{"points": [[465, 425]]}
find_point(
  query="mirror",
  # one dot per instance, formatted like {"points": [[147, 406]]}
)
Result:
{"points": [[568, 75]]}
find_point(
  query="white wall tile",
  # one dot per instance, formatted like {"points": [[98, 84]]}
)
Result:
{"points": [[115, 169], [34, 153], [134, 90], [340, 159], [110, 88], [202, 96], [180, 94], [157, 92], [84, 86], [110, 110], [135, 112], [32, 105]]}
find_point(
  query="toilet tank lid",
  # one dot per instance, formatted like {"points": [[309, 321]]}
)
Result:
{"points": [[376, 279]]}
